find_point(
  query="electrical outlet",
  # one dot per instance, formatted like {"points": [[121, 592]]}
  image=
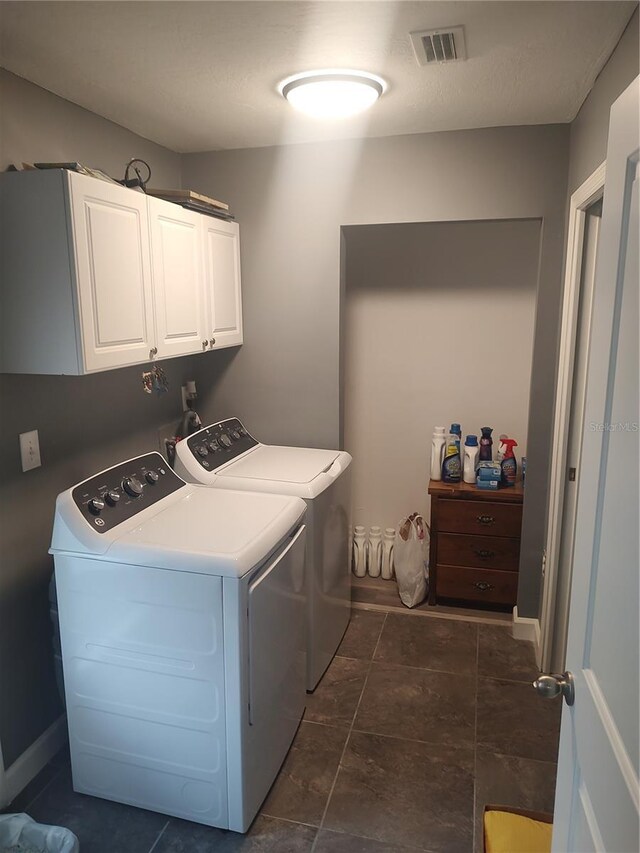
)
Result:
{"points": [[30, 450]]}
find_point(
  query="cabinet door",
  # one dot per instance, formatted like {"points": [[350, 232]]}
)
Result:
{"points": [[111, 241], [176, 257], [222, 281]]}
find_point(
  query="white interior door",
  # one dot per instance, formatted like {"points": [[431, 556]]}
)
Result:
{"points": [[176, 253], [597, 800], [110, 232]]}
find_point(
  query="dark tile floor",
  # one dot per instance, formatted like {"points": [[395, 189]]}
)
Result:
{"points": [[418, 723]]}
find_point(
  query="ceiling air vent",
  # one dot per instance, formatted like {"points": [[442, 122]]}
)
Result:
{"points": [[444, 45]]}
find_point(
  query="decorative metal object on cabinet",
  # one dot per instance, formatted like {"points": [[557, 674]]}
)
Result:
{"points": [[475, 544]]}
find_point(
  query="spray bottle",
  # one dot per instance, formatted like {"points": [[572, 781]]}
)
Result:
{"points": [[508, 465]]}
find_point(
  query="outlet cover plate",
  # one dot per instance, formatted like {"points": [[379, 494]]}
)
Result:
{"points": [[30, 450]]}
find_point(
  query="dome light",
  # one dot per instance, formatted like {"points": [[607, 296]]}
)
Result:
{"points": [[332, 94]]}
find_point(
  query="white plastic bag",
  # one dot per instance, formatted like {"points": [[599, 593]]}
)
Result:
{"points": [[20, 833], [411, 554]]}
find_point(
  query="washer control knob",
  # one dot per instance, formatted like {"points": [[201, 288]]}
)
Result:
{"points": [[213, 446], [152, 477], [96, 505], [111, 497], [201, 450], [235, 435], [132, 486], [241, 431], [224, 439]]}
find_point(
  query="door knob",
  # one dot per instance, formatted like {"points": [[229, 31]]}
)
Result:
{"points": [[550, 686]]}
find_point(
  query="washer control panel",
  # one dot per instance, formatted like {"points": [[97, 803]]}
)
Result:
{"points": [[219, 443], [121, 492]]}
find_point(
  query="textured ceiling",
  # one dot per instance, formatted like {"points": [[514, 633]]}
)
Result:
{"points": [[198, 76]]}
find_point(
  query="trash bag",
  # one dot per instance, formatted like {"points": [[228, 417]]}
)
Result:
{"points": [[21, 834], [411, 554]]}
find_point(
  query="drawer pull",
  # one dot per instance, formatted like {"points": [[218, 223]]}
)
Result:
{"points": [[485, 519], [484, 553], [483, 586]]}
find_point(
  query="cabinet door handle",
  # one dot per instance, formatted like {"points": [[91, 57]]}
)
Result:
{"points": [[485, 519], [153, 351], [484, 553], [483, 586], [212, 342], [205, 344]]}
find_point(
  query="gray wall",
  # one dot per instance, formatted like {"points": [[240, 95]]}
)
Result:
{"points": [[454, 303], [85, 423], [292, 202], [590, 127]]}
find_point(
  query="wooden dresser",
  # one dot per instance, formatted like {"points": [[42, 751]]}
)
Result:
{"points": [[475, 544]]}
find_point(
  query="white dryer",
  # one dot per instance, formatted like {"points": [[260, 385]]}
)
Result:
{"points": [[224, 455], [182, 621]]}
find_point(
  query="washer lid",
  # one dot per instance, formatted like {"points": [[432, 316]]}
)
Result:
{"points": [[210, 532], [297, 465]]}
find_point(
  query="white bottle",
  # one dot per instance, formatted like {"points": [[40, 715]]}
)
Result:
{"points": [[374, 552], [438, 444], [359, 551], [471, 452], [387, 552]]}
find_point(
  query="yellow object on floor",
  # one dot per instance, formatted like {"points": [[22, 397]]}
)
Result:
{"points": [[513, 833]]}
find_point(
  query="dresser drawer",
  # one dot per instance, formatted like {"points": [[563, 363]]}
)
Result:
{"points": [[482, 552], [486, 518], [477, 585]]}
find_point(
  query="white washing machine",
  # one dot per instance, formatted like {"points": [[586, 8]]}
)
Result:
{"points": [[224, 455], [182, 620]]}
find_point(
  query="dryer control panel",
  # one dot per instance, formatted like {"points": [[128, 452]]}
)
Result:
{"points": [[121, 492], [219, 443]]}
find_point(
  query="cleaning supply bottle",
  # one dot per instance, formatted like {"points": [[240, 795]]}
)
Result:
{"points": [[456, 429], [471, 451], [437, 452], [508, 465], [451, 465], [387, 552], [359, 551], [374, 551], [486, 445]]}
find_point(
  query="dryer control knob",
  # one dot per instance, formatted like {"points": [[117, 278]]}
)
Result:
{"points": [[152, 477], [224, 439], [111, 497], [213, 446], [235, 435], [201, 450], [96, 505], [132, 486]]}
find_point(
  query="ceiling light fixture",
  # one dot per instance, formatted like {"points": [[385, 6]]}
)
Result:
{"points": [[332, 93]]}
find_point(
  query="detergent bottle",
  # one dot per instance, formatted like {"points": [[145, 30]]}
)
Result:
{"points": [[471, 451], [486, 445], [508, 465], [451, 465], [438, 443]]}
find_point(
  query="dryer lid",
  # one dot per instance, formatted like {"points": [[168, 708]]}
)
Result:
{"points": [[297, 465]]}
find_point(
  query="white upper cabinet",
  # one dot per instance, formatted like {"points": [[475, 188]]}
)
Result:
{"points": [[176, 254], [109, 233], [222, 281], [96, 276]]}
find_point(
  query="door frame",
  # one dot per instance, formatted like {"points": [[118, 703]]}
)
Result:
{"points": [[581, 200]]}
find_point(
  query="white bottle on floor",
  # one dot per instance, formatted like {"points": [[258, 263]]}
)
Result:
{"points": [[359, 551], [387, 553], [374, 552]]}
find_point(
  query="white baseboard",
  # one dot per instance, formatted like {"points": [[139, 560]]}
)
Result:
{"points": [[526, 628], [32, 760]]}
